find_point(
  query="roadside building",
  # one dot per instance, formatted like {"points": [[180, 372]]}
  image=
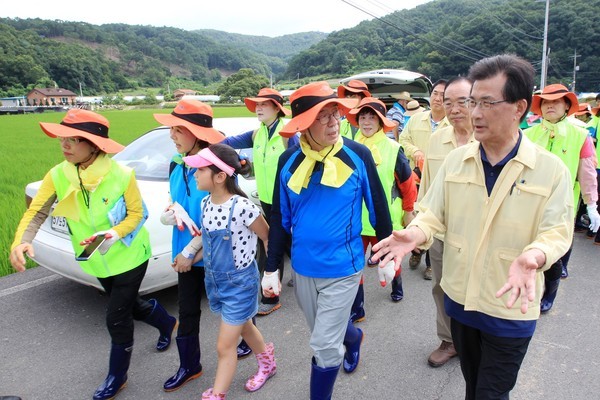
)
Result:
{"points": [[51, 97]]}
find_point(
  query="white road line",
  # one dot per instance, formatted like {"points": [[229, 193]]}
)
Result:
{"points": [[29, 285]]}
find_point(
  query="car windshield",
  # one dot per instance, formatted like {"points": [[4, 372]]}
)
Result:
{"points": [[149, 155]]}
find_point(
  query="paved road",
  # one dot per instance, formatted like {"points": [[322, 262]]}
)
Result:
{"points": [[53, 344]]}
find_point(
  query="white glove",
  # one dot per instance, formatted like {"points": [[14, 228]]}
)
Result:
{"points": [[168, 217], [386, 273], [271, 281], [111, 237], [594, 217], [181, 218]]}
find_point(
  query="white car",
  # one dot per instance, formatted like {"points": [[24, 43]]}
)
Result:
{"points": [[149, 156], [384, 83]]}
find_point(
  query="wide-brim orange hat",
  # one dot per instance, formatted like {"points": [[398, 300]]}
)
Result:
{"points": [[266, 94], [377, 106], [584, 108], [307, 102], [554, 92], [84, 124], [194, 115], [353, 86]]}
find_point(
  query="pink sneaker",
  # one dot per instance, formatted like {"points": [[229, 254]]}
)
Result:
{"points": [[266, 369], [209, 395]]}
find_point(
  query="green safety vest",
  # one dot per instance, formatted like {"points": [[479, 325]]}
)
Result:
{"points": [[265, 157], [595, 124], [389, 154], [567, 148], [347, 130], [119, 258]]}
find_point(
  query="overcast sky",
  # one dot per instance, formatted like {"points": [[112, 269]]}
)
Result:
{"points": [[261, 17]]}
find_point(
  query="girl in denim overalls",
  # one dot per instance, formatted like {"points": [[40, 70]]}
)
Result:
{"points": [[230, 226]]}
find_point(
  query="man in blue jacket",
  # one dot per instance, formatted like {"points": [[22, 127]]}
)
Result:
{"points": [[319, 191]]}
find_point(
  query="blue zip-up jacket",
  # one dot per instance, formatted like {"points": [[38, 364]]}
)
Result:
{"points": [[325, 222], [184, 191]]}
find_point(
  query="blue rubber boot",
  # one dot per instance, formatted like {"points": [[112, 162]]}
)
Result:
{"points": [[120, 356], [322, 381], [550, 292], [357, 314], [189, 363], [352, 341], [161, 320]]}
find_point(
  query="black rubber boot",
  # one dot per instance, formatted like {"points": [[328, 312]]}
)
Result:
{"points": [[397, 291], [550, 292], [357, 313]]}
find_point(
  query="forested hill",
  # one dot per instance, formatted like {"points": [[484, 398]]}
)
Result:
{"points": [[283, 47], [112, 57], [444, 37]]}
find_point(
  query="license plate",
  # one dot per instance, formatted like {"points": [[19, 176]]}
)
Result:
{"points": [[59, 224]]}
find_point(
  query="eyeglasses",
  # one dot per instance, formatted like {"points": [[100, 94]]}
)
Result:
{"points": [[449, 105], [483, 104], [324, 118], [71, 141]]}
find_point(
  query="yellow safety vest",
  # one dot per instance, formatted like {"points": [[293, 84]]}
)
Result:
{"points": [[265, 156], [566, 147], [119, 258], [388, 149]]}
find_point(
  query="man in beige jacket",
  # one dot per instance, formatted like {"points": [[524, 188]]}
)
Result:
{"points": [[506, 210], [415, 139], [443, 141]]}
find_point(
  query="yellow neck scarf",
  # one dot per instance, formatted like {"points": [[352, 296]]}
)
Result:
{"points": [[559, 128], [335, 172], [90, 179], [371, 143]]}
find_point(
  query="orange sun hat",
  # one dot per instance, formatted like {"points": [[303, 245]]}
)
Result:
{"points": [[194, 115], [554, 92], [84, 124], [306, 103], [377, 106], [266, 94], [353, 86]]}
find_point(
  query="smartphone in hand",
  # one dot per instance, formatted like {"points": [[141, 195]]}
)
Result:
{"points": [[91, 248]]}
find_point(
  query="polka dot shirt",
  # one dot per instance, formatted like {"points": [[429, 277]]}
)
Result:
{"points": [[244, 241]]}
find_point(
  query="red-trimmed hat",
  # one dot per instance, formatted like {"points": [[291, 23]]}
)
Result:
{"points": [[266, 94], [353, 86], [84, 124], [554, 92], [377, 106], [196, 116], [306, 103]]}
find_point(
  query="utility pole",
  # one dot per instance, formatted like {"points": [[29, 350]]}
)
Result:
{"points": [[575, 69], [545, 46]]}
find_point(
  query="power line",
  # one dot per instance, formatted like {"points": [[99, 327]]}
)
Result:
{"points": [[477, 54], [431, 43], [537, 28]]}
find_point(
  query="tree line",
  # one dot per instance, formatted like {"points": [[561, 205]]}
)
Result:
{"points": [[113, 57], [439, 39], [444, 37]]}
